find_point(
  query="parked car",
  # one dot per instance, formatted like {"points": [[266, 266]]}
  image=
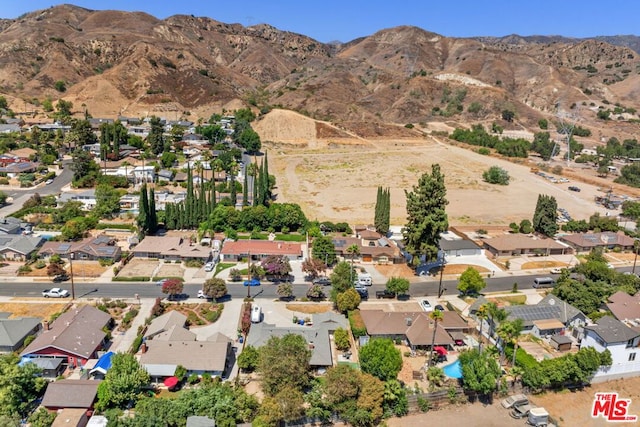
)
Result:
{"points": [[162, 282], [439, 307], [61, 278], [515, 400], [55, 293], [322, 281], [252, 282], [256, 314], [426, 305], [556, 270], [363, 292], [202, 295], [574, 188], [49, 181], [520, 411], [209, 266], [385, 294]]}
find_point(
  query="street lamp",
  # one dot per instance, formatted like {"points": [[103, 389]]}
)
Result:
{"points": [[73, 288]]}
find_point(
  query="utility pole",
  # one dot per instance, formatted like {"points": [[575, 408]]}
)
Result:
{"points": [[249, 274], [440, 290], [73, 288], [635, 258]]}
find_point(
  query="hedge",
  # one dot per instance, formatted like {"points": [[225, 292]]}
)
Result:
{"points": [[357, 324], [136, 344], [156, 278], [523, 359], [131, 279], [104, 225]]}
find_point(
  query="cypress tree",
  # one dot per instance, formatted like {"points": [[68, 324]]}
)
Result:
{"points": [[377, 216], [213, 198], [386, 211], [143, 214], [233, 195], [245, 191], [153, 215], [254, 202], [267, 190], [169, 219]]}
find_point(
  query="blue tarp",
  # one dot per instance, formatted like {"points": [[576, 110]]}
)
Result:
{"points": [[103, 365]]}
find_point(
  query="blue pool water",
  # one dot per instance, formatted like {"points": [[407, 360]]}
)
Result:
{"points": [[453, 370]]}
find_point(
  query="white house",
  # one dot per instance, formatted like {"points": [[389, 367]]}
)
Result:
{"points": [[622, 341], [87, 198], [144, 173]]}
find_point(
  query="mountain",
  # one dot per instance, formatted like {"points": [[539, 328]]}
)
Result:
{"points": [[131, 63]]}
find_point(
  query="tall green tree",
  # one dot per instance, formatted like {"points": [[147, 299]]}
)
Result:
{"points": [[124, 383], [153, 214], [245, 191], [341, 279], [380, 358], [19, 386], [284, 362], [471, 282], [323, 249], [155, 139], [426, 216], [545, 217], [143, 212], [107, 201], [480, 372]]}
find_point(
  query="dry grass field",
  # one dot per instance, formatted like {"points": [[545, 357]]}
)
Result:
{"points": [[337, 179], [43, 310], [138, 268]]}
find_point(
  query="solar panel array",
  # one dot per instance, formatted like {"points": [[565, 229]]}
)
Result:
{"points": [[532, 313]]}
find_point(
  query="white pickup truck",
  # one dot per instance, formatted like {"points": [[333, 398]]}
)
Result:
{"points": [[55, 293]]}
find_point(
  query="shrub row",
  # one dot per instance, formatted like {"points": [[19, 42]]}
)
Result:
{"points": [[156, 278], [131, 279], [357, 324]]}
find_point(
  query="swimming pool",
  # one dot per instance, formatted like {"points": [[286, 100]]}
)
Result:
{"points": [[453, 370]]}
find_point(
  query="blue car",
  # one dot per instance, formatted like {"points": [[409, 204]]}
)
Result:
{"points": [[252, 282]]}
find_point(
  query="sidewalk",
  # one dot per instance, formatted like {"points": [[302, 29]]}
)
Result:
{"points": [[122, 342]]}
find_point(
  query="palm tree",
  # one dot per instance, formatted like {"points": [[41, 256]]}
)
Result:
{"points": [[126, 164], [436, 316], [496, 316], [510, 331], [481, 314], [353, 250]]}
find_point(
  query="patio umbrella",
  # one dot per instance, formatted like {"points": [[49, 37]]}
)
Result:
{"points": [[171, 382], [440, 350]]}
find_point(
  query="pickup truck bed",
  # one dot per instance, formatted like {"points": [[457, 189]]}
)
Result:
{"points": [[385, 294]]}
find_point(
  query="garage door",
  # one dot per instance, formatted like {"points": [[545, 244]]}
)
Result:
{"points": [[467, 252]]}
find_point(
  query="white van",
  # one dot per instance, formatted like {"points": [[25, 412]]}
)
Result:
{"points": [[365, 279], [543, 282], [256, 314]]}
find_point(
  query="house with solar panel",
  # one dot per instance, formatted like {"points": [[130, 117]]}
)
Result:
{"points": [[551, 316], [90, 249], [585, 242]]}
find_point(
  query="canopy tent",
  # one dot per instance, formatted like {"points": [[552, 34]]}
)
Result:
{"points": [[171, 382], [440, 350], [103, 364]]}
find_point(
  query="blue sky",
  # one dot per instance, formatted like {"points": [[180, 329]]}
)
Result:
{"points": [[345, 20]]}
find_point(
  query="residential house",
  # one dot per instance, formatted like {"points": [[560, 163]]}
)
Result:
{"points": [[194, 139], [51, 367], [625, 307], [102, 366], [86, 197], [52, 127], [65, 394], [142, 130], [90, 249], [14, 169], [170, 248], [415, 327], [96, 122], [451, 245], [144, 173], [523, 244], [76, 336], [318, 336], [14, 331], [130, 202], [192, 150], [24, 154], [167, 344], [585, 242], [622, 341], [71, 417], [259, 249], [10, 128], [10, 225], [18, 247], [165, 175], [372, 247], [548, 317], [163, 197]]}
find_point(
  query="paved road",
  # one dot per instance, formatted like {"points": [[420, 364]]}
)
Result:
{"points": [[266, 290]]}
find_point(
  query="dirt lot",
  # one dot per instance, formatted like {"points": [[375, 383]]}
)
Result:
{"points": [[573, 408], [469, 415], [170, 270], [337, 179], [138, 268], [43, 310]]}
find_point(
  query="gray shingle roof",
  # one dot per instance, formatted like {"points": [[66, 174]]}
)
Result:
{"points": [[612, 330], [71, 394], [454, 244], [12, 331], [165, 322]]}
